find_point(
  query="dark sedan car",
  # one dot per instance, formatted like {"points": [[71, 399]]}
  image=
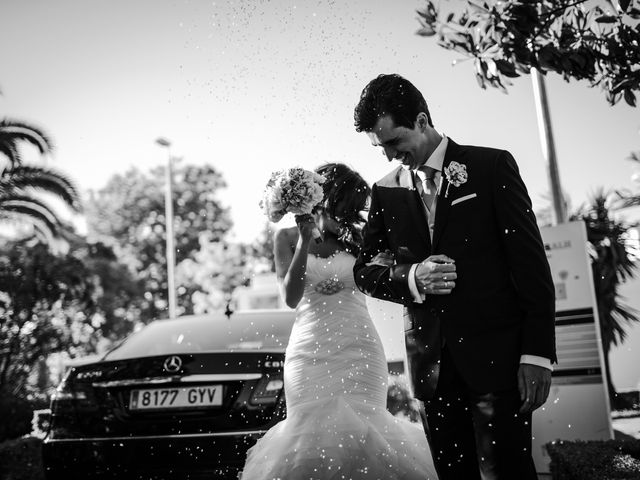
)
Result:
{"points": [[181, 398]]}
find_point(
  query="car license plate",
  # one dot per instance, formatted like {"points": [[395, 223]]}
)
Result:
{"points": [[182, 397]]}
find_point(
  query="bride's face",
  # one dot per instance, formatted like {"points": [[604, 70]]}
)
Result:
{"points": [[326, 223], [330, 225]]}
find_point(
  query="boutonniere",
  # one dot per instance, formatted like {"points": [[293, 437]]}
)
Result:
{"points": [[456, 174]]}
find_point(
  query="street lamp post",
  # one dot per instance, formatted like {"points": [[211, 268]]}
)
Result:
{"points": [[168, 209]]}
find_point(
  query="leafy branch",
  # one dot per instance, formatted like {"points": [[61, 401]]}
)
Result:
{"points": [[506, 39]]}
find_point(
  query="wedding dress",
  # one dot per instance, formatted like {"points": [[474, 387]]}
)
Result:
{"points": [[335, 378]]}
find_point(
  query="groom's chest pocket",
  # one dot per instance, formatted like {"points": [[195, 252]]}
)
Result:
{"points": [[467, 221], [463, 213], [465, 201], [467, 209]]}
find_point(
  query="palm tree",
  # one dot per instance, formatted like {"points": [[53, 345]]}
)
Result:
{"points": [[19, 202], [612, 264], [627, 198], [15, 132], [20, 185]]}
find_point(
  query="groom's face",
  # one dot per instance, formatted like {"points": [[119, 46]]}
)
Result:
{"points": [[407, 145]]}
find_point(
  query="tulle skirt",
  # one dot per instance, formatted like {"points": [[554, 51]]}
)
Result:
{"points": [[332, 439]]}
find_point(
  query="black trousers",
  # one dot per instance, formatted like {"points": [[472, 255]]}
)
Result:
{"points": [[476, 436]]}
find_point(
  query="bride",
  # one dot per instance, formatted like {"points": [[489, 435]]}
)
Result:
{"points": [[335, 372]]}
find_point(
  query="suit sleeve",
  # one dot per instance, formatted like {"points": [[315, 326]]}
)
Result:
{"points": [[385, 283], [526, 258]]}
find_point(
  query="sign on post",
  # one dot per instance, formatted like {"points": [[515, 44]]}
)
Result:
{"points": [[578, 404]]}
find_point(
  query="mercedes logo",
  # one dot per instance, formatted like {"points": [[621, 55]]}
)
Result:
{"points": [[172, 364]]}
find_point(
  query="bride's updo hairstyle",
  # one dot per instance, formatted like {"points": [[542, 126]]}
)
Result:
{"points": [[346, 196]]}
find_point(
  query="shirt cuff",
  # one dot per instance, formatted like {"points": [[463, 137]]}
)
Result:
{"points": [[536, 360], [413, 287]]}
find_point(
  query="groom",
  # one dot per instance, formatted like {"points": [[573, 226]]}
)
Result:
{"points": [[471, 270]]}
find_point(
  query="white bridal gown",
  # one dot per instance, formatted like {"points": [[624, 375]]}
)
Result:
{"points": [[335, 379]]}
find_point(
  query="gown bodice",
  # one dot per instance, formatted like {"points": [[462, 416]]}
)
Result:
{"points": [[330, 281], [334, 347]]}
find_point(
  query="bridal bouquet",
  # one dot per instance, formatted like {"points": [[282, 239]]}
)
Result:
{"points": [[293, 190]]}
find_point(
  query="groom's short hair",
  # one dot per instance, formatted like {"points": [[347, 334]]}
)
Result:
{"points": [[393, 95]]}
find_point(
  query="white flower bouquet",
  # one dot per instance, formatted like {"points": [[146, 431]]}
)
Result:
{"points": [[293, 190]]}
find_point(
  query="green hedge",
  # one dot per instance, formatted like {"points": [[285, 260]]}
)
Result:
{"points": [[21, 459], [595, 460], [16, 414]]}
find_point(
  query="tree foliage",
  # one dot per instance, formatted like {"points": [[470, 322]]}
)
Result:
{"points": [[59, 303], [47, 304], [13, 133], [21, 201], [21, 185], [594, 41], [630, 198], [117, 293], [262, 250], [612, 264], [129, 211], [213, 274]]}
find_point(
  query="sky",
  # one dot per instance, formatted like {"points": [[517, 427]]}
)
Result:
{"points": [[252, 86]]}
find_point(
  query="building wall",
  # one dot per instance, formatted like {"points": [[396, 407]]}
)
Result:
{"points": [[261, 294]]}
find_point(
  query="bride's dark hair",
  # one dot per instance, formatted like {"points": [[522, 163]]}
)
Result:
{"points": [[346, 196]]}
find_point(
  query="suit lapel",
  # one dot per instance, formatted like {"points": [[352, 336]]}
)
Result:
{"points": [[444, 203], [416, 207]]}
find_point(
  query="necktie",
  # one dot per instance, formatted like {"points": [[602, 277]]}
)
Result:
{"points": [[427, 187]]}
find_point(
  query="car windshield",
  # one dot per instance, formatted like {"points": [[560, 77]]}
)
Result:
{"points": [[268, 330]]}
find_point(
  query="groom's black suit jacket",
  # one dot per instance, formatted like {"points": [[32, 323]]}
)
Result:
{"points": [[503, 303]]}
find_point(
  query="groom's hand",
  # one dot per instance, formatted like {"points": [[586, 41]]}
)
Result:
{"points": [[534, 383], [436, 275]]}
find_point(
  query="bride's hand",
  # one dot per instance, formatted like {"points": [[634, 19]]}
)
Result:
{"points": [[383, 259], [306, 224]]}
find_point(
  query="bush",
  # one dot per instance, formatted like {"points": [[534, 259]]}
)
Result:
{"points": [[595, 460], [629, 400], [16, 414], [21, 459], [400, 402]]}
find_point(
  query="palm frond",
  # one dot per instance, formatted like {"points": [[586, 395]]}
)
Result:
{"points": [[630, 201], [44, 179], [30, 209], [623, 316], [613, 263], [9, 150], [38, 227], [12, 130]]}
